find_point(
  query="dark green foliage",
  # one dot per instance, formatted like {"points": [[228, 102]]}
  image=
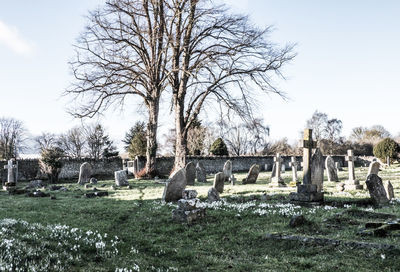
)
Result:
{"points": [[219, 148], [50, 162], [387, 148], [135, 140]]}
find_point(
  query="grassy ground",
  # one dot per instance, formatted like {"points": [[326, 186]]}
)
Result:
{"points": [[131, 230]]}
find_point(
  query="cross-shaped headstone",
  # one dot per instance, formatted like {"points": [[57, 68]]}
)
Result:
{"points": [[11, 167], [278, 161], [350, 161], [293, 163], [308, 144]]}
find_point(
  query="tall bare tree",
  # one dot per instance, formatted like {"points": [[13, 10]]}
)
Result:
{"points": [[12, 133], [45, 141], [72, 142], [122, 53], [217, 57]]}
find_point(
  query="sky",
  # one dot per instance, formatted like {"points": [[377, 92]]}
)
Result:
{"points": [[347, 64]]}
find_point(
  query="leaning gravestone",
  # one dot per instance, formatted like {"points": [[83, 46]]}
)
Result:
{"points": [[85, 171], [121, 178], [331, 169], [213, 195], [200, 173], [227, 169], [175, 186], [373, 168], [219, 179], [389, 189], [317, 169], [252, 175], [376, 189], [190, 173]]}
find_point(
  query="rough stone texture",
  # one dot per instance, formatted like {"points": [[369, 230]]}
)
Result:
{"points": [[93, 181], [189, 217], [331, 170], [190, 173], [376, 189], [227, 170], [294, 164], [201, 174], [174, 187], [189, 194], [121, 178], [374, 168], [36, 184], [85, 171], [213, 195], [317, 169], [189, 208], [219, 179], [252, 175], [389, 189]]}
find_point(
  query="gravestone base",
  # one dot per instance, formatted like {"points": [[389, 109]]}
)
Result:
{"points": [[351, 185], [306, 193], [275, 182]]}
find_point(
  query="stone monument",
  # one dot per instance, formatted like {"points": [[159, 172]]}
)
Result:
{"points": [[351, 183]]}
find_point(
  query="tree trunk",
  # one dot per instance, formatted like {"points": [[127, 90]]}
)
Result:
{"points": [[151, 137], [181, 138]]}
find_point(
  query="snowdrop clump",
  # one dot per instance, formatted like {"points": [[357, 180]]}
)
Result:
{"points": [[37, 247]]}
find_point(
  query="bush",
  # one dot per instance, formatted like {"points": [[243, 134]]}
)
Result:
{"points": [[50, 162], [387, 148], [219, 148]]}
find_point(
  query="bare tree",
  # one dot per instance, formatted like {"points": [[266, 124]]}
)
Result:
{"points": [[73, 142], [45, 141], [122, 53], [318, 123], [217, 57], [12, 134]]}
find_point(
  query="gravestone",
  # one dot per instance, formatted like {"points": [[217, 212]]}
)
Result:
{"points": [[389, 189], [283, 168], [307, 192], [338, 166], [373, 168], [227, 170], [12, 173], [317, 169], [85, 171], [200, 173], [174, 186], [189, 208], [121, 178], [293, 164], [252, 175], [351, 183], [190, 173], [376, 189], [331, 170], [219, 180], [276, 179], [213, 195]]}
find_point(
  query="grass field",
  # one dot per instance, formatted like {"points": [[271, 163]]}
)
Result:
{"points": [[132, 230]]}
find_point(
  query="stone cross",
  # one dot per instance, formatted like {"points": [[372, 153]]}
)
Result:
{"points": [[308, 144], [350, 160], [11, 167], [276, 179], [293, 163]]}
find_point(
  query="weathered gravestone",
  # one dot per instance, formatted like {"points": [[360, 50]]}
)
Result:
{"points": [[85, 171], [294, 164], [200, 173], [376, 189], [373, 168], [189, 208], [283, 168], [174, 187], [307, 192], [389, 189], [12, 174], [227, 170], [331, 170], [351, 183], [317, 169], [219, 180], [276, 179], [338, 166], [121, 178], [190, 173], [252, 175], [213, 195]]}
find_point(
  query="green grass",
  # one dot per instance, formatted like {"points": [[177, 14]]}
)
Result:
{"points": [[230, 238]]}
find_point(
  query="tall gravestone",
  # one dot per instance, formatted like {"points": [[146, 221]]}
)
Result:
{"points": [[175, 186], [331, 170], [374, 168], [200, 173], [219, 180], [227, 170], [276, 179], [190, 173], [12, 171], [307, 192], [252, 175], [317, 169], [293, 164], [85, 172], [352, 183], [376, 189]]}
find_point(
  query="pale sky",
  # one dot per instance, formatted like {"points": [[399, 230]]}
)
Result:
{"points": [[347, 64]]}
